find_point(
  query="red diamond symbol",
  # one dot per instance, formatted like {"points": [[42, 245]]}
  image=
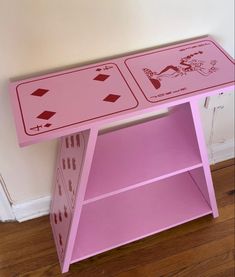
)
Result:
{"points": [[101, 77], [40, 92], [111, 98], [46, 115], [47, 125]]}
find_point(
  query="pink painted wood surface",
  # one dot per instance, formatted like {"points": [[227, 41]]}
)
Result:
{"points": [[69, 165], [180, 70], [72, 155], [204, 156], [143, 152], [198, 176], [70, 101], [134, 214], [90, 141], [60, 216]]}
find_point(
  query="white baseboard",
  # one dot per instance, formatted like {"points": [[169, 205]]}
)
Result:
{"points": [[32, 209], [219, 152], [39, 207]]}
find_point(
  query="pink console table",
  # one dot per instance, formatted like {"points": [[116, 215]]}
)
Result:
{"points": [[121, 184]]}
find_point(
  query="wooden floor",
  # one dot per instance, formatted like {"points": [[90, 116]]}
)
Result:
{"points": [[203, 247]]}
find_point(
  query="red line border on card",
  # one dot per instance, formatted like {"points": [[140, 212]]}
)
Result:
{"points": [[60, 74], [179, 46]]}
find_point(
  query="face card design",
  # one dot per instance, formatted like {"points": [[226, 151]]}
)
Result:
{"points": [[181, 70], [73, 97]]}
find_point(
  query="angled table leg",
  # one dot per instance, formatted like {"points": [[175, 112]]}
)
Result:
{"points": [[208, 193], [72, 170]]}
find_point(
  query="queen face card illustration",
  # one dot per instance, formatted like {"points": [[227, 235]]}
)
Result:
{"points": [[61, 100], [180, 70]]}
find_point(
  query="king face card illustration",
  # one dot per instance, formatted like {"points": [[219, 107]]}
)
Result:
{"points": [[180, 70]]}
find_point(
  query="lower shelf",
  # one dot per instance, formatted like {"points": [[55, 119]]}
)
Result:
{"points": [[131, 215]]}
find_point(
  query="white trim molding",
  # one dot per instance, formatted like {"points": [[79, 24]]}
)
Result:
{"points": [[6, 213], [32, 209], [219, 152]]}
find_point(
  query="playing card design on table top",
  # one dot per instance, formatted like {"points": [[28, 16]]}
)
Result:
{"points": [[71, 101], [180, 70], [70, 98]]}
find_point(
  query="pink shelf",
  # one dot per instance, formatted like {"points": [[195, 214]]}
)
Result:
{"points": [[143, 153], [134, 214]]}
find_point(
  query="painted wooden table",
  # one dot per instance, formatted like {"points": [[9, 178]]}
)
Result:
{"points": [[116, 186]]}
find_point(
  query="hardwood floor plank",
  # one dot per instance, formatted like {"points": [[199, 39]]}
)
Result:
{"points": [[223, 164], [223, 269], [229, 272], [224, 184], [185, 261]]}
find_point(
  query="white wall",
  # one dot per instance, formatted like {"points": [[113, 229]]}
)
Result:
{"points": [[39, 36]]}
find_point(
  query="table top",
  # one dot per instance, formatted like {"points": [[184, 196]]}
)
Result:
{"points": [[65, 102]]}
